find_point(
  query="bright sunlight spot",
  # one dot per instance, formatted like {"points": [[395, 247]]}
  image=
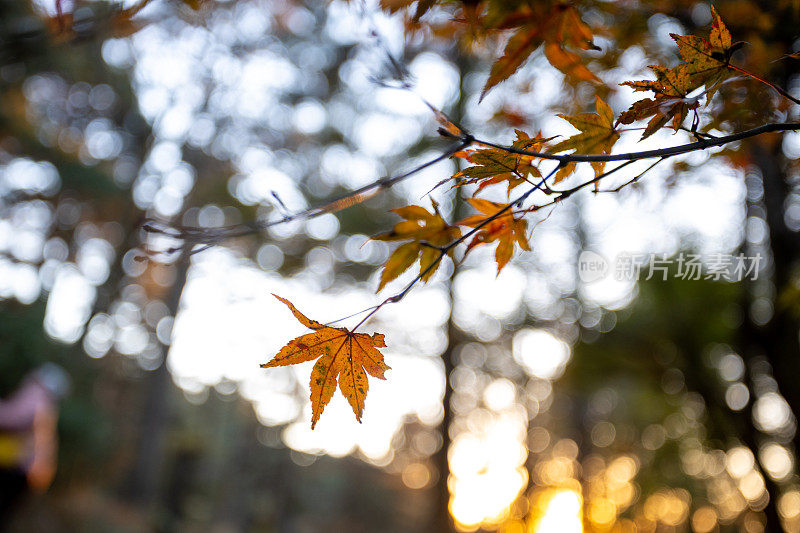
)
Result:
{"points": [[561, 513]]}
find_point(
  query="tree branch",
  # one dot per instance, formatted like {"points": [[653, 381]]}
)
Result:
{"points": [[648, 154], [211, 236], [774, 87]]}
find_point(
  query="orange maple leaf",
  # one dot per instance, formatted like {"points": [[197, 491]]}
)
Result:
{"points": [[492, 165], [557, 27], [343, 357], [505, 229], [672, 102], [427, 232]]}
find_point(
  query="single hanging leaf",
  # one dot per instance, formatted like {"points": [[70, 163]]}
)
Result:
{"points": [[343, 358], [505, 229], [427, 232], [558, 27], [492, 165], [597, 136]]}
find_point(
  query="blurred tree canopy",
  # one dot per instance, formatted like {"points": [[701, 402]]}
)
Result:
{"points": [[165, 165]]}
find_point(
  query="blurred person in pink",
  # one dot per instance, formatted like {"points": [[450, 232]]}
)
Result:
{"points": [[28, 436]]}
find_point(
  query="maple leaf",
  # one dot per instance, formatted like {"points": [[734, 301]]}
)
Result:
{"points": [[557, 27], [393, 6], [505, 229], [672, 102], [706, 59], [492, 165], [427, 231], [597, 136], [705, 63], [344, 358]]}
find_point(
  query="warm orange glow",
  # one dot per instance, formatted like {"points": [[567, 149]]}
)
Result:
{"points": [[487, 470], [602, 512], [561, 512], [668, 506], [704, 520], [416, 476]]}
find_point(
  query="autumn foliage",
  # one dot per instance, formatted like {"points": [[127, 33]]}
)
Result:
{"points": [[425, 237], [343, 357], [427, 231], [705, 63]]}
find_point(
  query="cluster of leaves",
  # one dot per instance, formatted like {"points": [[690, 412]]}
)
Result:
{"points": [[556, 26], [428, 233], [493, 165], [705, 64], [427, 238], [552, 24]]}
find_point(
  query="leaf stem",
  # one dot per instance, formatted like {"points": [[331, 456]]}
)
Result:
{"points": [[774, 87]]}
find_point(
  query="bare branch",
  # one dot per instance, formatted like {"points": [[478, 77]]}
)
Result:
{"points": [[211, 236], [563, 195], [637, 177]]}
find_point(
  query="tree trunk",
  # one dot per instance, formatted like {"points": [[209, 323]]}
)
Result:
{"points": [[142, 485], [443, 521]]}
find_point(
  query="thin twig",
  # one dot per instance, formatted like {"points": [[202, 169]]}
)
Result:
{"points": [[568, 192], [637, 177], [212, 236], [774, 87], [563, 195], [699, 135], [351, 316]]}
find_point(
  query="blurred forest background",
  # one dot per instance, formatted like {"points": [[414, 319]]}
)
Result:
{"points": [[528, 401]]}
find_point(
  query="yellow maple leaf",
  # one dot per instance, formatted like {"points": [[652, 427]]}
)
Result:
{"points": [[344, 358], [493, 165], [427, 232], [706, 58], [597, 136]]}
